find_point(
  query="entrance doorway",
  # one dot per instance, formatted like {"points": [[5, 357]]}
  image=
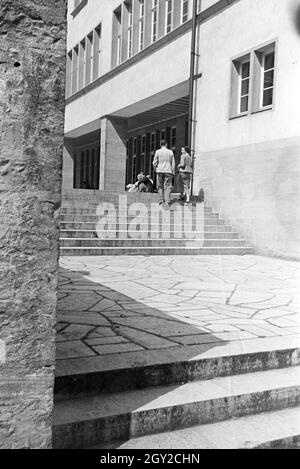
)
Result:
{"points": [[87, 167], [143, 143]]}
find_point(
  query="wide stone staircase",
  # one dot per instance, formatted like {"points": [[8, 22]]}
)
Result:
{"points": [[159, 232], [215, 395], [217, 399]]}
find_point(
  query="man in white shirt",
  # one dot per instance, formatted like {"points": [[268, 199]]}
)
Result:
{"points": [[164, 165]]}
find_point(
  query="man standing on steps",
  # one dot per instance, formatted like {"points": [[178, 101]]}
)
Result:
{"points": [[164, 165]]}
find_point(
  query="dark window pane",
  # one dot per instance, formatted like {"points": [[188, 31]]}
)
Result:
{"points": [[246, 70], [269, 61], [245, 87], [244, 104], [268, 97], [269, 79]]}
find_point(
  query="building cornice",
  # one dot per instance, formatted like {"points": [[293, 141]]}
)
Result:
{"points": [[205, 15]]}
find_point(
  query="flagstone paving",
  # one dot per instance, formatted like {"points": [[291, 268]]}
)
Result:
{"points": [[113, 305]]}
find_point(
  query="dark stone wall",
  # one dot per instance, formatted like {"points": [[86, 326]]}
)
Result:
{"points": [[32, 78]]}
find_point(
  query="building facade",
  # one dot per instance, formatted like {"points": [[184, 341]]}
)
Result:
{"points": [[128, 83]]}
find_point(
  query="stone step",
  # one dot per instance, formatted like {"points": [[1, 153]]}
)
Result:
{"points": [[90, 210], [90, 195], [156, 251], [269, 430], [91, 226], [211, 220], [116, 416], [79, 377], [155, 243], [87, 234]]}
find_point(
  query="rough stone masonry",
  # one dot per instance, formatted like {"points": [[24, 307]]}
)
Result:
{"points": [[32, 76]]}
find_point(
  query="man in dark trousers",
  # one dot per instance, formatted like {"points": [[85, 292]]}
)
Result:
{"points": [[164, 165]]}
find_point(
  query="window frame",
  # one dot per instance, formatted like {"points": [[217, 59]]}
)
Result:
{"points": [[173, 143], [78, 5], [118, 15], [169, 27], [256, 81], [263, 74], [142, 7], [154, 11], [129, 7], [242, 79], [182, 15]]}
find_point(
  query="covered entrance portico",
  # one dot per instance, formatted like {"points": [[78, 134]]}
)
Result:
{"points": [[108, 154]]}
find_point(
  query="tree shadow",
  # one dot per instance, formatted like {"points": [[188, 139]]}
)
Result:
{"points": [[108, 342]]}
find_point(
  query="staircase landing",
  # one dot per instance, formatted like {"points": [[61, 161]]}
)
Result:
{"points": [[140, 329], [176, 230]]}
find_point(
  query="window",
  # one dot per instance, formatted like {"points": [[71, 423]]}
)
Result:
{"points": [[143, 154], [173, 137], [143, 149], [97, 53], [268, 79], [152, 153], [75, 70], [240, 86], [184, 10], [134, 162], [153, 142], [129, 30], [87, 167], [142, 25], [69, 75], [84, 62], [154, 30], [81, 66], [78, 6], [118, 16], [253, 81], [244, 86], [89, 58], [169, 15], [163, 134]]}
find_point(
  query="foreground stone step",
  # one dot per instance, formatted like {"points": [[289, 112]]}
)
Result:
{"points": [[105, 418], [138, 370], [152, 243], [278, 430], [87, 234], [156, 251]]}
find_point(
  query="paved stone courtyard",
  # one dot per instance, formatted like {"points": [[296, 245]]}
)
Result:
{"points": [[137, 305]]}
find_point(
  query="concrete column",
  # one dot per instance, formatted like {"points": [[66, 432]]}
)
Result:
{"points": [[32, 77], [177, 7], [68, 166], [136, 26], [113, 154], [148, 22], [161, 18], [125, 17]]}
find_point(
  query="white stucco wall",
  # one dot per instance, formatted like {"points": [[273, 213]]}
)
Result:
{"points": [[249, 167], [243, 26], [157, 72], [161, 70]]}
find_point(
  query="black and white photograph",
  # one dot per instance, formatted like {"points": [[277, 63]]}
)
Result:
{"points": [[150, 227]]}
